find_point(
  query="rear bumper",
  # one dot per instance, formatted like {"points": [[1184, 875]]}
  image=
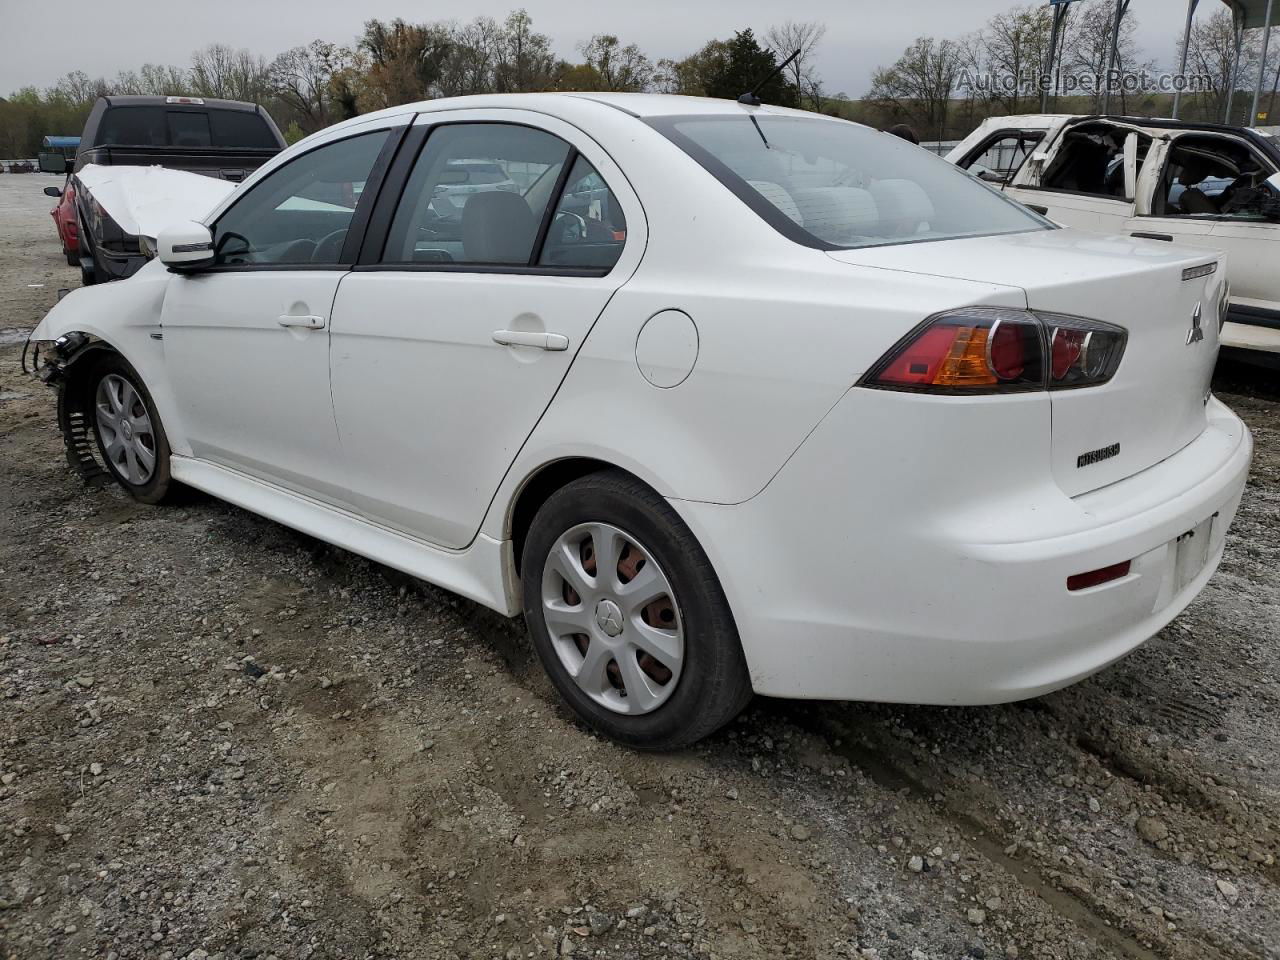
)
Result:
{"points": [[849, 579]]}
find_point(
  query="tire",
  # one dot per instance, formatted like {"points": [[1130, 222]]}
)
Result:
{"points": [[701, 682], [116, 394], [73, 259]]}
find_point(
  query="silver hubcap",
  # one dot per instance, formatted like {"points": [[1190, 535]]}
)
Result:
{"points": [[125, 429], [613, 618]]}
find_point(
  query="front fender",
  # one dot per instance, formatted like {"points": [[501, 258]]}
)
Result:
{"points": [[126, 317]]}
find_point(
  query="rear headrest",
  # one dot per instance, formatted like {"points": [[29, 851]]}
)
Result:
{"points": [[838, 213], [779, 197], [497, 227], [904, 206]]}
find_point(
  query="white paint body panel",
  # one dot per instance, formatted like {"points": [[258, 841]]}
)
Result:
{"points": [[872, 544]]}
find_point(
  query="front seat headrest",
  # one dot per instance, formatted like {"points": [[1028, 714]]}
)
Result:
{"points": [[497, 227]]}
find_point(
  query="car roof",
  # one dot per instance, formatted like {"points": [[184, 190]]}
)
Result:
{"points": [[640, 105]]}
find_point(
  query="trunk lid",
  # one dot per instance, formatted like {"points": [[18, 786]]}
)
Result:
{"points": [[1154, 405]]}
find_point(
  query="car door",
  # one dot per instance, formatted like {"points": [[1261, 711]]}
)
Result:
{"points": [[453, 334], [246, 341], [1087, 178], [998, 157], [1198, 194]]}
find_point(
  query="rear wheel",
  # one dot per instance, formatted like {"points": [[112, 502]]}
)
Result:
{"points": [[628, 617], [131, 438]]}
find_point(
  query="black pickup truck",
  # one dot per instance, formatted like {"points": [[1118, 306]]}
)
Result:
{"points": [[225, 139]]}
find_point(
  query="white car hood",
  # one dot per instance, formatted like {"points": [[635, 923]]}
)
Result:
{"points": [[144, 200]]}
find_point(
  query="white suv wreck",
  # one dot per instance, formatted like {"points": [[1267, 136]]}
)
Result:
{"points": [[1199, 184]]}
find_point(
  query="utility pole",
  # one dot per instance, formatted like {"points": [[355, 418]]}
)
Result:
{"points": [[1051, 78], [1262, 67], [1182, 65], [1122, 7]]}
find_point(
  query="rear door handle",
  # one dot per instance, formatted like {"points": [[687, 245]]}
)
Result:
{"points": [[307, 323], [526, 338]]}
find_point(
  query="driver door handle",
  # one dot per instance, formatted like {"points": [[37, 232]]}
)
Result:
{"points": [[528, 338], [307, 323]]}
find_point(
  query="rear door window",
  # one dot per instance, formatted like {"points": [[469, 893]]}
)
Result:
{"points": [[1209, 176], [478, 194], [589, 228]]}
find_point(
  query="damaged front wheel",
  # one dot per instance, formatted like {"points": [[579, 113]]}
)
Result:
{"points": [[131, 438]]}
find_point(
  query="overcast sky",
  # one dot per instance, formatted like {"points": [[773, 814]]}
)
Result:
{"points": [[39, 42]]}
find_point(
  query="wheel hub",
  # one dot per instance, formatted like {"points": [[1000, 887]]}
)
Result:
{"points": [[613, 618], [609, 618]]}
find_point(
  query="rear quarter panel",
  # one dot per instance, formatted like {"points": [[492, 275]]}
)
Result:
{"points": [[777, 348]]}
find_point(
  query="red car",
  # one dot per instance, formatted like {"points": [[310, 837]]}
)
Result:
{"points": [[64, 219]]}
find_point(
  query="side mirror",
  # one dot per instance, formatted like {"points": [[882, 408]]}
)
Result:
{"points": [[53, 163], [53, 191], [185, 246]]}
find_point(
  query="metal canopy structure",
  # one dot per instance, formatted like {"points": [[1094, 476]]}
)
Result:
{"points": [[1247, 15]]}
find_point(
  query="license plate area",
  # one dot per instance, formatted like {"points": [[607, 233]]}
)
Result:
{"points": [[1191, 553]]}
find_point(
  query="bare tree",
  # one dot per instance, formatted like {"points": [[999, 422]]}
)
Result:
{"points": [[692, 75], [524, 58], [469, 66], [620, 68], [920, 84], [1087, 47], [1211, 53], [229, 74], [1015, 44], [804, 36], [78, 87], [303, 80]]}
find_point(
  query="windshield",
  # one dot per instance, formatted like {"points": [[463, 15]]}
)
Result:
{"points": [[836, 185]]}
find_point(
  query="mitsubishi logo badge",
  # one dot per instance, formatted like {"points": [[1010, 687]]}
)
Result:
{"points": [[609, 618], [1195, 334]]}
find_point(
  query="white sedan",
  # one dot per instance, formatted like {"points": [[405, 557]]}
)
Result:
{"points": [[723, 398]]}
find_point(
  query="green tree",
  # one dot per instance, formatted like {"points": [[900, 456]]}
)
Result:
{"points": [[746, 64]]}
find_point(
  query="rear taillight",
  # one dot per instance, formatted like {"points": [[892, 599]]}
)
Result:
{"points": [[1000, 350]]}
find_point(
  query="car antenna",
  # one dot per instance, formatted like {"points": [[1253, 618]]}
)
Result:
{"points": [[750, 98]]}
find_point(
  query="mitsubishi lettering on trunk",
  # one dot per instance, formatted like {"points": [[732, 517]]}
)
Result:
{"points": [[722, 399]]}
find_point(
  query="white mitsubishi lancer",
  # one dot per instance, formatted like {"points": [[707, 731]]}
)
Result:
{"points": [[723, 398]]}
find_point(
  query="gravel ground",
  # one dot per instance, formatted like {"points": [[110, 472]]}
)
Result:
{"points": [[221, 738]]}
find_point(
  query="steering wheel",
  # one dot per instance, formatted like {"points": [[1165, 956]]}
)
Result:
{"points": [[329, 249], [574, 222]]}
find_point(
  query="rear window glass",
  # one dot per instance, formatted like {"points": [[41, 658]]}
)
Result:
{"points": [[157, 126], [836, 185]]}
